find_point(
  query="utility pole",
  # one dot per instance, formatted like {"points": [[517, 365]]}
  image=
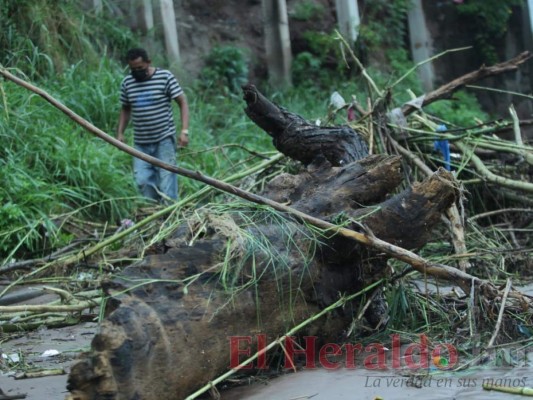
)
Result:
{"points": [[348, 19], [170, 31], [421, 44], [277, 42], [147, 16]]}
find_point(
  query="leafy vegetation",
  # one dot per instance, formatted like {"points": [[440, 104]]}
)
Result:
{"points": [[462, 110], [226, 69], [46, 36], [489, 21], [306, 10], [384, 24]]}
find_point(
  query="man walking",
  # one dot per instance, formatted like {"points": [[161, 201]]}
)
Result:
{"points": [[146, 96]]}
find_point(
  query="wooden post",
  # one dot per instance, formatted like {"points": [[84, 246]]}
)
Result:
{"points": [[421, 44], [98, 7], [348, 19], [170, 31], [277, 42], [530, 11], [147, 16]]}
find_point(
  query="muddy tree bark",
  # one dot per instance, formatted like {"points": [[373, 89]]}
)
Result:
{"points": [[170, 317], [299, 139]]}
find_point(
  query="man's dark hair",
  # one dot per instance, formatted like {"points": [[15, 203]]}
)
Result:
{"points": [[134, 54]]}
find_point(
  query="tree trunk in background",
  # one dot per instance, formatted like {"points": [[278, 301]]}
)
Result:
{"points": [[277, 42], [348, 19], [147, 20], [170, 31], [421, 44], [528, 41], [530, 11], [98, 6]]}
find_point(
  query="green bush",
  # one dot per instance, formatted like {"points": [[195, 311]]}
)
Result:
{"points": [[307, 70], [462, 110], [46, 35], [322, 65], [226, 69], [306, 10], [489, 21]]}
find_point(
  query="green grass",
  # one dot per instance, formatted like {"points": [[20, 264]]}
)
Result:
{"points": [[51, 167]]}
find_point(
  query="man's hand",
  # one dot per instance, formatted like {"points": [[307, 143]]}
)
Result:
{"points": [[184, 138], [123, 120]]}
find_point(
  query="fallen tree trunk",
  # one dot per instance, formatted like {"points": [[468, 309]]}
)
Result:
{"points": [[171, 318]]}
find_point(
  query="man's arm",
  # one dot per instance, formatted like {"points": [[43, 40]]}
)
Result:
{"points": [[123, 120], [184, 112]]}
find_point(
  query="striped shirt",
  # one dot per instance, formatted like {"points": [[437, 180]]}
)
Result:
{"points": [[151, 107]]}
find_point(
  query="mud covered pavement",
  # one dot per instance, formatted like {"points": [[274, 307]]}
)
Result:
{"points": [[42, 350]]}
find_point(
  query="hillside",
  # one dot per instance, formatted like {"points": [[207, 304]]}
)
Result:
{"points": [[205, 24]]}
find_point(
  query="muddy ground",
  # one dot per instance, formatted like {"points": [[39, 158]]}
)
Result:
{"points": [[316, 384], [28, 352]]}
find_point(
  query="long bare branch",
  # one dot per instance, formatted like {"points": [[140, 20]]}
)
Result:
{"points": [[448, 89]]}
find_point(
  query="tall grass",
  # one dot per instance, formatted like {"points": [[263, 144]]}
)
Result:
{"points": [[46, 35], [49, 166]]}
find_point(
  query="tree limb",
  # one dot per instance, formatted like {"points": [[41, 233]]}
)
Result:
{"points": [[445, 91]]}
